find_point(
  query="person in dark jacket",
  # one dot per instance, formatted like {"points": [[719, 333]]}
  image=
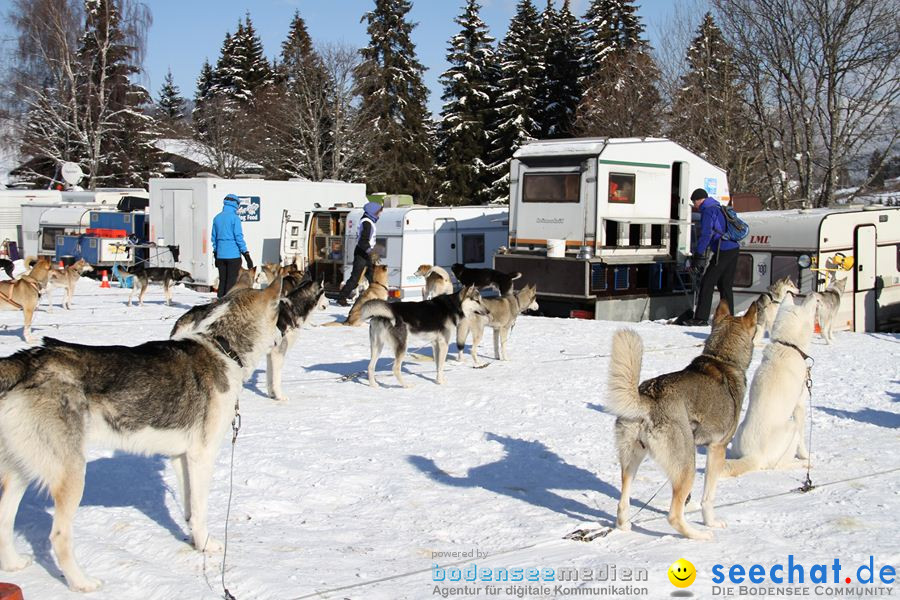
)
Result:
{"points": [[362, 253], [228, 244], [717, 256]]}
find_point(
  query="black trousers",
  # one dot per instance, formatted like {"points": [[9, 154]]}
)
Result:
{"points": [[719, 274], [228, 272], [361, 260]]}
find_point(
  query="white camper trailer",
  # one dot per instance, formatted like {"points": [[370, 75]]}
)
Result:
{"points": [[20, 210], [870, 236], [603, 226], [411, 236], [273, 215]]}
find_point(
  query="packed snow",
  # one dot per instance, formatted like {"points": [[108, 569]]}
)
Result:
{"points": [[349, 492]]}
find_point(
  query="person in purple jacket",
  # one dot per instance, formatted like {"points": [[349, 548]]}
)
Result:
{"points": [[716, 255]]}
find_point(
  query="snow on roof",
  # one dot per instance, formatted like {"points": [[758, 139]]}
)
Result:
{"points": [[196, 152], [575, 146]]}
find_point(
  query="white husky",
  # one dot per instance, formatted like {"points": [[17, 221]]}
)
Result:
{"points": [[771, 435], [768, 304]]}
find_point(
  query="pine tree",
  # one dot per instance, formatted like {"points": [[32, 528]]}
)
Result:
{"points": [[708, 113], [560, 91], [252, 66], [170, 108], [389, 82], [610, 26], [120, 143], [521, 69], [468, 95]]}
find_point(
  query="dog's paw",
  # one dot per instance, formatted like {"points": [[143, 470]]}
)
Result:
{"points": [[626, 526], [16, 562], [716, 524], [85, 584], [373, 383], [802, 453], [213, 546]]}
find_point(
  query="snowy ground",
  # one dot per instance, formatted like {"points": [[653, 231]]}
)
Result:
{"points": [[347, 492]]}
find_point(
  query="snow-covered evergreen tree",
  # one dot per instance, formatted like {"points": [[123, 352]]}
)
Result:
{"points": [[610, 26], [521, 69], [242, 69], [170, 108], [389, 82], [559, 92], [468, 96], [708, 113]]}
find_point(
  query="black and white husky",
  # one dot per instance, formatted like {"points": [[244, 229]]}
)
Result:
{"points": [[178, 399], [298, 302], [433, 319]]}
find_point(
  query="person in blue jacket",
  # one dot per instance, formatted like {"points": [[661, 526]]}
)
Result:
{"points": [[717, 256], [228, 244], [362, 253]]}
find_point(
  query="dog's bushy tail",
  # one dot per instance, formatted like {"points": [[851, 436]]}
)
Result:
{"points": [[515, 275], [625, 376], [377, 308]]}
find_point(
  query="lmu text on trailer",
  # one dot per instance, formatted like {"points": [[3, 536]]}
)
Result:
{"points": [[604, 225], [411, 236], [273, 216], [870, 236]]}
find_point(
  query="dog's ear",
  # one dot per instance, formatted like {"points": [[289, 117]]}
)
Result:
{"points": [[722, 311], [749, 318]]}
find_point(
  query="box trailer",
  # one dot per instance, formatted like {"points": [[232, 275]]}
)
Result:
{"points": [[869, 236], [273, 215], [602, 226], [410, 236]]}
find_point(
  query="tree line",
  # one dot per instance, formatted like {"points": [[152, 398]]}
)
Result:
{"points": [[787, 98]]}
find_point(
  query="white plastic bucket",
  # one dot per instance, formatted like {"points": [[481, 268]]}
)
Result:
{"points": [[556, 248]]}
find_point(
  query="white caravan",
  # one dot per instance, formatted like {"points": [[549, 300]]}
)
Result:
{"points": [[410, 236], [602, 226], [870, 236], [273, 215]]}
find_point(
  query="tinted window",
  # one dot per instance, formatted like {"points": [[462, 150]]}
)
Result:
{"points": [[743, 273], [785, 266], [473, 248], [381, 247], [621, 188], [551, 187]]}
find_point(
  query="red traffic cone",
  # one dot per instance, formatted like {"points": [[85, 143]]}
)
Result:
{"points": [[61, 264], [105, 282], [9, 591]]}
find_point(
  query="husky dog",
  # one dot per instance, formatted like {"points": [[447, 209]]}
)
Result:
{"points": [[66, 278], [24, 293], [768, 304], [7, 265], [502, 313], [246, 278], [178, 400], [144, 276], [482, 278], [771, 434], [433, 319], [269, 271], [829, 303], [298, 302], [668, 415], [377, 290], [437, 281]]}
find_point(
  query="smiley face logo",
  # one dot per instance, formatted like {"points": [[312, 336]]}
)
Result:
{"points": [[682, 573]]}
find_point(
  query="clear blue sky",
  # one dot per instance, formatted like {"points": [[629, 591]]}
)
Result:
{"points": [[185, 32]]}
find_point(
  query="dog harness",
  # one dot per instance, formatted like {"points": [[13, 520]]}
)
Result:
{"points": [[226, 349]]}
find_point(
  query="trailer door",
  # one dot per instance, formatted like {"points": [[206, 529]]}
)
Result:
{"points": [[865, 269], [293, 238], [177, 229], [446, 246]]}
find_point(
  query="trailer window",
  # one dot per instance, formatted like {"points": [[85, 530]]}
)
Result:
{"points": [[48, 237], [621, 188], [785, 266], [743, 272], [551, 187], [380, 248], [473, 248]]}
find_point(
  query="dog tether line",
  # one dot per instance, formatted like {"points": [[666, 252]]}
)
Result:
{"points": [[235, 428], [810, 361]]}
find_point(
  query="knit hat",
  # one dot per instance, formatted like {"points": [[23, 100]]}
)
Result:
{"points": [[698, 194]]}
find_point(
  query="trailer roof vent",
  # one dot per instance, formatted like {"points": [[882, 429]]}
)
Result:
{"points": [[208, 175]]}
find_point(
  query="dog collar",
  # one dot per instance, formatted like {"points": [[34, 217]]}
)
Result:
{"points": [[771, 297], [378, 283], [801, 352], [225, 347]]}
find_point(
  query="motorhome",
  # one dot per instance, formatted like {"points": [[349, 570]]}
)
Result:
{"points": [[410, 236], [602, 226], [861, 243], [273, 215]]}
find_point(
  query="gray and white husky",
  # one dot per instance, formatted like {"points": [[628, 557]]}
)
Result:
{"points": [[502, 313], [829, 304], [768, 304], [177, 399], [392, 323], [298, 303]]}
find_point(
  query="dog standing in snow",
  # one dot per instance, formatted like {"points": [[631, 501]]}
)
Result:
{"points": [[771, 436]]}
